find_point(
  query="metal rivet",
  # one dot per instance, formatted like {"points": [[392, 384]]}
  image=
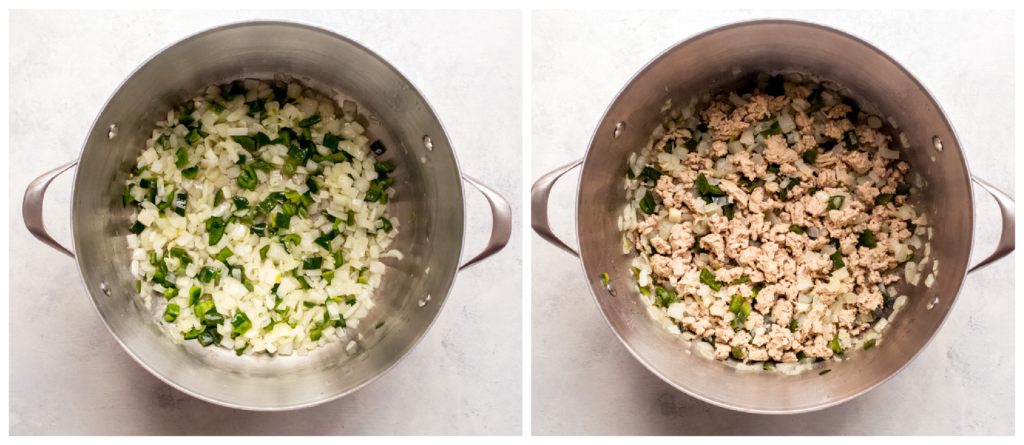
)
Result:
{"points": [[932, 303], [424, 300], [619, 129], [428, 143], [113, 131], [104, 288], [937, 143]]}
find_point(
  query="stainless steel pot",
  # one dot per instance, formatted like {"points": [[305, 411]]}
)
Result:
{"points": [[729, 57], [429, 203]]}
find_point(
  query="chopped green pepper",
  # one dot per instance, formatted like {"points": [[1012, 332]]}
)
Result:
{"points": [[207, 338], [834, 345], [737, 352], [208, 274], [707, 189], [707, 277], [774, 129], [384, 167], [312, 263], [373, 194], [212, 317], [224, 254], [241, 323], [691, 144], [870, 343], [182, 157], [740, 280], [647, 204], [180, 202], [310, 121], [215, 226], [192, 137], [172, 312], [729, 211], [883, 199], [282, 221], [137, 227], [850, 138], [810, 156], [193, 295], [247, 180], [190, 173], [649, 172], [815, 100], [837, 260], [835, 202], [246, 142], [313, 187], [867, 239], [331, 141], [903, 188], [387, 227]]}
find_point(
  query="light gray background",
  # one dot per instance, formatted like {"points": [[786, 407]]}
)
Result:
{"points": [[69, 376], [586, 382]]}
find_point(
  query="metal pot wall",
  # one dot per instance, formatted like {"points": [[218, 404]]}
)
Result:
{"points": [[729, 57], [429, 202]]}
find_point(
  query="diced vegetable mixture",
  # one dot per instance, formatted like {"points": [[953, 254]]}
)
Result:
{"points": [[261, 218]]}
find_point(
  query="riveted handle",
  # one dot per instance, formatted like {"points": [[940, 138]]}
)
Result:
{"points": [[32, 207], [501, 223], [539, 194], [1006, 237]]}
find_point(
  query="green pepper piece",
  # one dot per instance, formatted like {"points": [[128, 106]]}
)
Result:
{"points": [[172, 312]]}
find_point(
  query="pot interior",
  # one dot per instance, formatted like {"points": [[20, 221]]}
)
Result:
{"points": [[727, 58], [428, 203]]}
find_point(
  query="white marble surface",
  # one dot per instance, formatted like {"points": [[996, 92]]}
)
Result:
{"points": [[69, 376], [585, 382]]}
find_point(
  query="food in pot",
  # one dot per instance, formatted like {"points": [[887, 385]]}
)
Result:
{"points": [[772, 224], [261, 217]]}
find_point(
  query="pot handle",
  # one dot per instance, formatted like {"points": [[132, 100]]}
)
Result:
{"points": [[32, 207], [501, 223], [1006, 237], [539, 194]]}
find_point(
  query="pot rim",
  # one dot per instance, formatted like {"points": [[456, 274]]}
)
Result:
{"points": [[313, 28], [728, 27]]}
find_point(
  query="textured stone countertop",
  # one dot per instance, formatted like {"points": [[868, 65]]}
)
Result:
{"points": [[69, 376], [585, 382]]}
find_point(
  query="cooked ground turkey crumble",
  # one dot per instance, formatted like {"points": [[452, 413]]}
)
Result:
{"points": [[770, 224]]}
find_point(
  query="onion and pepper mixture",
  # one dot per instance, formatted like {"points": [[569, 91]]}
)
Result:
{"points": [[261, 218], [772, 224]]}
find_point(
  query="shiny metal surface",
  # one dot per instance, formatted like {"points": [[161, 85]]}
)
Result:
{"points": [[428, 202], [1006, 212], [728, 57], [501, 225], [32, 207], [539, 194]]}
